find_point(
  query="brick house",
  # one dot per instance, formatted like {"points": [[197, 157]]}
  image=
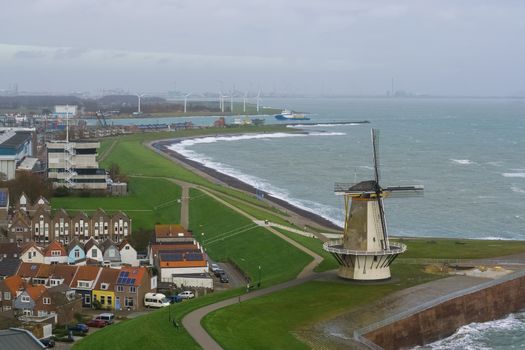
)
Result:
{"points": [[131, 286]]}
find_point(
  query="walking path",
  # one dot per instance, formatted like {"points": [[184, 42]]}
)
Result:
{"points": [[108, 151]]}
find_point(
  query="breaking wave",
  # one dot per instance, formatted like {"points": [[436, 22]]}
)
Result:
{"points": [[514, 175], [462, 161], [507, 333]]}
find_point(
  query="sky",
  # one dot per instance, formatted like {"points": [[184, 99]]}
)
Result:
{"points": [[440, 47]]}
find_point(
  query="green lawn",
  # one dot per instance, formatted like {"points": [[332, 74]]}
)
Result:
{"points": [[230, 236], [315, 245], [150, 201], [439, 248], [268, 322], [151, 331]]}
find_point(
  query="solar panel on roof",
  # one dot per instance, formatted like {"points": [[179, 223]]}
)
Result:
{"points": [[193, 257], [132, 281]]}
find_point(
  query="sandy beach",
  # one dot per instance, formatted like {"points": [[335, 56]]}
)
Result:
{"points": [[161, 146]]}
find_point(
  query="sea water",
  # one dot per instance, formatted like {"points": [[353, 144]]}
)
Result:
{"points": [[468, 153]]}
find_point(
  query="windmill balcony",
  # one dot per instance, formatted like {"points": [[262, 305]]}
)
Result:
{"points": [[337, 248]]}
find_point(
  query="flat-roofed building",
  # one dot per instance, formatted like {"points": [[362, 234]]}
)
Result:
{"points": [[74, 165], [14, 147]]}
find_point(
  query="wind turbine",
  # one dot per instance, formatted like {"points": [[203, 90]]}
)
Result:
{"points": [[185, 100], [140, 96], [231, 103], [258, 101], [222, 101], [244, 101]]}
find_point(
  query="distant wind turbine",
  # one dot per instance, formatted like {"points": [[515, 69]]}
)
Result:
{"points": [[139, 96], [186, 100], [244, 101], [258, 101]]}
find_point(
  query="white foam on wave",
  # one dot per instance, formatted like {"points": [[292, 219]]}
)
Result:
{"points": [[479, 336], [462, 161], [181, 147], [513, 175], [517, 189], [324, 125]]}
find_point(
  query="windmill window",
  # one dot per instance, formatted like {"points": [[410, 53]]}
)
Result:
{"points": [[374, 239], [375, 257]]}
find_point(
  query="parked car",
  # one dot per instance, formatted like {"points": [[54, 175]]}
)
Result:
{"points": [[79, 327], [214, 267], [48, 342], [107, 317], [224, 278], [174, 299], [218, 272], [96, 323], [156, 300], [186, 294]]}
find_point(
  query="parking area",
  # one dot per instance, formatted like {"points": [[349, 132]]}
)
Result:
{"points": [[235, 277]]}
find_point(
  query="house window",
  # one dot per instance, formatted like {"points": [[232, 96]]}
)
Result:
{"points": [[128, 301], [87, 299], [29, 255], [110, 300], [111, 253], [83, 284], [25, 299], [47, 301], [28, 312], [77, 253], [132, 289], [7, 296], [55, 253], [104, 286], [127, 247], [102, 299], [94, 253], [120, 288]]}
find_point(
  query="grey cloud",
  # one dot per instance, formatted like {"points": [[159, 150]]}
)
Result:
{"points": [[29, 54]]}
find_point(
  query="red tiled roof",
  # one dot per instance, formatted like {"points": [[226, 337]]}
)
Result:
{"points": [[109, 276], [171, 230], [13, 283], [85, 273], [67, 272], [28, 269], [54, 246], [35, 292], [135, 272]]}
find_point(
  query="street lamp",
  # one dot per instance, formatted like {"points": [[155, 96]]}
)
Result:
{"points": [[259, 283]]}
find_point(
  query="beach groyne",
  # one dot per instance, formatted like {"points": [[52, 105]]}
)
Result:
{"points": [[440, 318]]}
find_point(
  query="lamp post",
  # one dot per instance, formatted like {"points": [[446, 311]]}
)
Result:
{"points": [[259, 283]]}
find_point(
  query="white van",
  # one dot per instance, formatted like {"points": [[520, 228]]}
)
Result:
{"points": [[155, 300], [107, 317]]}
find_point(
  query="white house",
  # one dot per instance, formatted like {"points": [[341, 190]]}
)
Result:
{"points": [[30, 253], [93, 250], [128, 254], [55, 253]]}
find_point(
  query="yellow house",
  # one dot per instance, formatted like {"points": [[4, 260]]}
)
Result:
{"points": [[104, 291]]}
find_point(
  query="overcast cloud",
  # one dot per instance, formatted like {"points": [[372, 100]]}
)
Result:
{"points": [[295, 46]]}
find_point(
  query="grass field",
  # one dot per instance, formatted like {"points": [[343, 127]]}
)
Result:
{"points": [[150, 201], [315, 245], [439, 248], [268, 322], [227, 235], [152, 331]]}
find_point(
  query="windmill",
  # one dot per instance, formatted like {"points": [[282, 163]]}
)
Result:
{"points": [[365, 251], [186, 100]]}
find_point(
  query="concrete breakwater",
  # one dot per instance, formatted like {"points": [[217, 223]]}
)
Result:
{"points": [[440, 318]]}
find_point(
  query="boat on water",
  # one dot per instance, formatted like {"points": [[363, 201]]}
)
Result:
{"points": [[289, 115]]}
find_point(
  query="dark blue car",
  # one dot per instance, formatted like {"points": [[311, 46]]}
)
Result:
{"points": [[79, 327]]}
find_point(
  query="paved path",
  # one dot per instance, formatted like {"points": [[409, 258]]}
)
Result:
{"points": [[184, 206], [108, 151], [192, 321]]}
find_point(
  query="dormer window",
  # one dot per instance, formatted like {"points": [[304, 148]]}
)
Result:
{"points": [[104, 286], [55, 253], [83, 284], [25, 299]]}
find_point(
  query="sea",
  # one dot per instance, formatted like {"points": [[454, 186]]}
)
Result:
{"points": [[469, 154]]}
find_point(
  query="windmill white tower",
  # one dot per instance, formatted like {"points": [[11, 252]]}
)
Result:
{"points": [[244, 102], [186, 100], [365, 252]]}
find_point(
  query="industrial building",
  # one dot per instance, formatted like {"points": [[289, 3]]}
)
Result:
{"points": [[74, 165], [16, 144]]}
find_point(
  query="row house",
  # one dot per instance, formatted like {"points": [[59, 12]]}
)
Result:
{"points": [[38, 223], [29, 300], [113, 289]]}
